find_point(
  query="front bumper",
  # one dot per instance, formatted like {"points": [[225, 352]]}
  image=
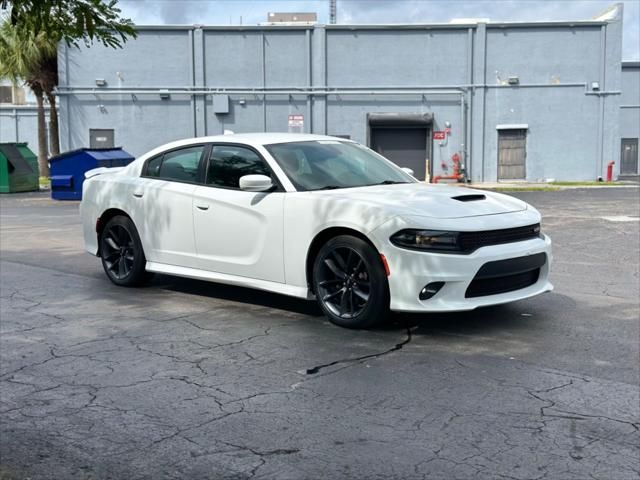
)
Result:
{"points": [[412, 270]]}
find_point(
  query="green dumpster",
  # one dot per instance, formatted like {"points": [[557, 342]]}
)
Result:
{"points": [[18, 168]]}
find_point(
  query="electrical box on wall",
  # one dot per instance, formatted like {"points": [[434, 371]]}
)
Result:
{"points": [[220, 104]]}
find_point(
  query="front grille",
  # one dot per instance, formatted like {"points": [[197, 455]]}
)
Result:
{"points": [[510, 283], [471, 241], [506, 275]]}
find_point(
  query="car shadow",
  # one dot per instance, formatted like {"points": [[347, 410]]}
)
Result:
{"points": [[480, 321], [236, 294]]}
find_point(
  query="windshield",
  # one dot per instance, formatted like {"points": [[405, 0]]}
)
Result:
{"points": [[328, 164]]}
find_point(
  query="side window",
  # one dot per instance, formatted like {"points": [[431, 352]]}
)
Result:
{"points": [[228, 163], [153, 167], [181, 165]]}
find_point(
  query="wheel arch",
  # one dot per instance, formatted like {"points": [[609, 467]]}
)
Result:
{"points": [[323, 237], [104, 219]]}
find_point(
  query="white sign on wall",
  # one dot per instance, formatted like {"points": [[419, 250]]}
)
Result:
{"points": [[296, 121]]}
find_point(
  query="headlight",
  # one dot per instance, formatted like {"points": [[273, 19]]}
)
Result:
{"points": [[428, 240]]}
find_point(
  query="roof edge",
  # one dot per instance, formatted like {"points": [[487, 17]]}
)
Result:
{"points": [[377, 26]]}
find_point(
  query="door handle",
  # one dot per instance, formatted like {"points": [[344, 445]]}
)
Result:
{"points": [[138, 194], [202, 207]]}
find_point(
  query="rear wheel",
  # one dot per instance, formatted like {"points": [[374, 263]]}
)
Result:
{"points": [[350, 283], [121, 251]]}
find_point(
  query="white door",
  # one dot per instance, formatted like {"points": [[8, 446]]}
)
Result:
{"points": [[163, 197], [238, 232]]}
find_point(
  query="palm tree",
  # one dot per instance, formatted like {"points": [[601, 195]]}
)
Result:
{"points": [[29, 37], [32, 59]]}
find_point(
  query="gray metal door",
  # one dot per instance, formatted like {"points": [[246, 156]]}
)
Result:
{"points": [[101, 138], [629, 157], [406, 147], [512, 154]]}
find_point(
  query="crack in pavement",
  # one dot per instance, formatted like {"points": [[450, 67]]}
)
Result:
{"points": [[398, 346]]}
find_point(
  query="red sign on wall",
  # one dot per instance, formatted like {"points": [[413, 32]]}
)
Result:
{"points": [[439, 135]]}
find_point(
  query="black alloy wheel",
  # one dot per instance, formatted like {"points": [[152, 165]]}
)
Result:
{"points": [[350, 283], [344, 285], [121, 252]]}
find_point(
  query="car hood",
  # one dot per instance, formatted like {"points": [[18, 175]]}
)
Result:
{"points": [[426, 200]]}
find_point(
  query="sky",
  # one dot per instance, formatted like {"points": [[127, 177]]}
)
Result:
{"points": [[225, 12]]}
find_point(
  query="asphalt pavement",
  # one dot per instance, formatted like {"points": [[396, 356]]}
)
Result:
{"points": [[187, 379]]}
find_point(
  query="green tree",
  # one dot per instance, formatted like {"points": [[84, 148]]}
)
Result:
{"points": [[73, 20], [32, 59], [28, 48]]}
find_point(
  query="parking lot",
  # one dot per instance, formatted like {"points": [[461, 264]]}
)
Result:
{"points": [[186, 379]]}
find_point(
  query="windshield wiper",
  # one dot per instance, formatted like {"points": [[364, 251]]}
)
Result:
{"points": [[389, 182], [328, 187]]}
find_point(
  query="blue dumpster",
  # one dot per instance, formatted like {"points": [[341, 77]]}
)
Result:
{"points": [[68, 169]]}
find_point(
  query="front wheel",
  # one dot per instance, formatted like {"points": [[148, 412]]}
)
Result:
{"points": [[121, 251], [350, 283]]}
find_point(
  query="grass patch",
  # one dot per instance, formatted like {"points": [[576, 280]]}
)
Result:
{"points": [[586, 184]]}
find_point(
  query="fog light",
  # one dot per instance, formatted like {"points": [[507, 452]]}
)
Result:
{"points": [[430, 290]]}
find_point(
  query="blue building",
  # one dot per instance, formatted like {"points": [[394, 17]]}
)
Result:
{"points": [[513, 101]]}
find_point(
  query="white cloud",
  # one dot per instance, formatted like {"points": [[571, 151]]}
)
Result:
{"points": [[224, 12]]}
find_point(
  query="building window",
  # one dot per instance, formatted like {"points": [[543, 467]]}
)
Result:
{"points": [[6, 94]]}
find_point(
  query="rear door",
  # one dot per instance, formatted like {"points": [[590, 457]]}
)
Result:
{"points": [[163, 204], [512, 154], [238, 232], [629, 156]]}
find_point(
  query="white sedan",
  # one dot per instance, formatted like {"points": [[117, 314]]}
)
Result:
{"points": [[313, 217]]}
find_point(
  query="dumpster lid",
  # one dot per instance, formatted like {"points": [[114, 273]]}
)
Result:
{"points": [[108, 153], [15, 158]]}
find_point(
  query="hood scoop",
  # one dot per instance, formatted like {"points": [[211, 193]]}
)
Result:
{"points": [[470, 198]]}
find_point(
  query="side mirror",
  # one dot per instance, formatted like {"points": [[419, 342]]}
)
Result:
{"points": [[255, 183], [407, 170]]}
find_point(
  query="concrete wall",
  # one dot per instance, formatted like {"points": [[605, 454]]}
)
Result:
{"points": [[335, 75], [630, 101]]}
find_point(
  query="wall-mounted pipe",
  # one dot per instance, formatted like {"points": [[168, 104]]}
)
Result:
{"points": [[225, 89], [602, 94], [263, 65], [98, 92]]}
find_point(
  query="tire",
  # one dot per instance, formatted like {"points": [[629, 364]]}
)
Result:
{"points": [[350, 283], [121, 252]]}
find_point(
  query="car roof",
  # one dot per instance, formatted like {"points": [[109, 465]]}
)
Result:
{"points": [[255, 139]]}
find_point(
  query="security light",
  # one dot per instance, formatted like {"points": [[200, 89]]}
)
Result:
{"points": [[513, 80], [595, 86], [101, 82], [165, 95]]}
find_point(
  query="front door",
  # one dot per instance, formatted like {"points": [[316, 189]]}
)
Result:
{"points": [[406, 147], [629, 157], [512, 154], [238, 232]]}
